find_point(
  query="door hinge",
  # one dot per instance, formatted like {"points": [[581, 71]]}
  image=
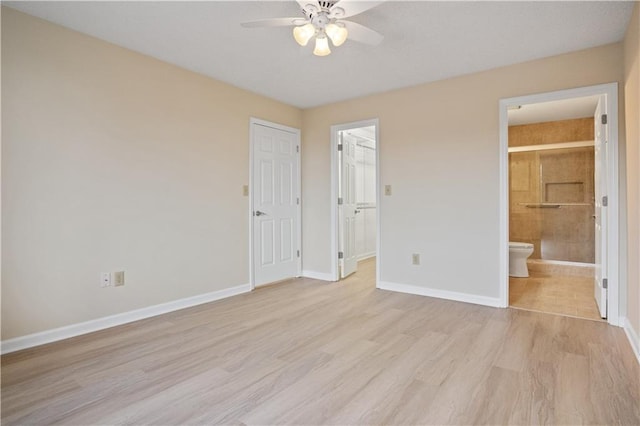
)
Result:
{"points": [[339, 147], [297, 200], [297, 148], [604, 118], [298, 253], [340, 255], [340, 201], [605, 201], [605, 283]]}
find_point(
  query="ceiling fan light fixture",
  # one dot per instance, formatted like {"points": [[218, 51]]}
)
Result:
{"points": [[323, 20], [322, 46], [337, 33], [303, 34]]}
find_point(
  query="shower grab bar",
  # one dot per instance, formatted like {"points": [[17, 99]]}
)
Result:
{"points": [[552, 205], [542, 206]]}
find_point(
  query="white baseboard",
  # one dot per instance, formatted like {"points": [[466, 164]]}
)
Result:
{"points": [[48, 336], [322, 276], [632, 335], [440, 294], [366, 256]]}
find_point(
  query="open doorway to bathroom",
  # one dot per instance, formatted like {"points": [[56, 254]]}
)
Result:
{"points": [[355, 183], [562, 179], [552, 207], [605, 287]]}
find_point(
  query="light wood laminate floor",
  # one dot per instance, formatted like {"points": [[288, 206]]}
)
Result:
{"points": [[311, 352]]}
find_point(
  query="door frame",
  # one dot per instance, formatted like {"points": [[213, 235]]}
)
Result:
{"points": [[296, 132], [335, 271], [610, 91]]}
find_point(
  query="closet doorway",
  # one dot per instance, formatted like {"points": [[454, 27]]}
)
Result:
{"points": [[355, 195]]}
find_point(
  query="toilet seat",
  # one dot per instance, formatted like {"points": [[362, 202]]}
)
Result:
{"points": [[517, 245]]}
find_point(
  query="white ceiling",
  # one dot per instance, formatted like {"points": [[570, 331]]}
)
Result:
{"points": [[424, 41], [554, 111]]}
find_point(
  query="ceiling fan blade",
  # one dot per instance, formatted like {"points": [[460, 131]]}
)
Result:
{"points": [[362, 34], [275, 22], [353, 7]]}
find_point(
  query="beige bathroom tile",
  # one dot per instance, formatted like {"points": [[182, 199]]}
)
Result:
{"points": [[570, 295]]}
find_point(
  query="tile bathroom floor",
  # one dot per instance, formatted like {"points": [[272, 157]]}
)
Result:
{"points": [[559, 294]]}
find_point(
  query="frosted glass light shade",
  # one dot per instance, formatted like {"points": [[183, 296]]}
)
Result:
{"points": [[337, 34], [322, 46], [304, 33]]}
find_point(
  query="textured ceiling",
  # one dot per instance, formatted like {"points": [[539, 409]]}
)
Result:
{"points": [[424, 41]]}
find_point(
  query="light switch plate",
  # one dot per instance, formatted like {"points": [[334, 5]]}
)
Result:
{"points": [[387, 190], [245, 190]]}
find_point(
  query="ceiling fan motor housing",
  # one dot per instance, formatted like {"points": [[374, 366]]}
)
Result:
{"points": [[328, 4], [327, 9]]}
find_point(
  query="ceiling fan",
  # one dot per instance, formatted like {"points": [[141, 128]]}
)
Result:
{"points": [[324, 20]]}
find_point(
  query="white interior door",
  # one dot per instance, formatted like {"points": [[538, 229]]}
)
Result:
{"points": [[600, 178], [275, 198], [347, 210], [361, 230]]}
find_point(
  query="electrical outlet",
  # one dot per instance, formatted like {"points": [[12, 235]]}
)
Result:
{"points": [[118, 278], [415, 259], [105, 279], [245, 190], [387, 190]]}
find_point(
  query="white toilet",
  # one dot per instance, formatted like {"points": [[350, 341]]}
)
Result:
{"points": [[518, 254]]}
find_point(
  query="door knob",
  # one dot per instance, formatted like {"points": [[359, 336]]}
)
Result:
{"points": [[259, 213], [357, 211]]}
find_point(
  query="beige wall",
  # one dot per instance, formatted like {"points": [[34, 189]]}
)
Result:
{"points": [[632, 107], [439, 149], [116, 161]]}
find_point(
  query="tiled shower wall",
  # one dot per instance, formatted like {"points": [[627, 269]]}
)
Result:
{"points": [[576, 130], [552, 191]]}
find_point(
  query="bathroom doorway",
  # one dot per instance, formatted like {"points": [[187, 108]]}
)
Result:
{"points": [[355, 198], [561, 177]]}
